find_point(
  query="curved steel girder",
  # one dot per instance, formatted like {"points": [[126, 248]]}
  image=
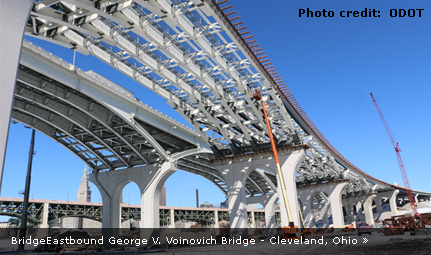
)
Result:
{"points": [[183, 154], [220, 129], [97, 112], [48, 130], [251, 183], [265, 178], [203, 165], [104, 14], [255, 185], [107, 16], [207, 175], [144, 133], [73, 115], [46, 116]]}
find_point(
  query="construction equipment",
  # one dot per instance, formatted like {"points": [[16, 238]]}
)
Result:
{"points": [[400, 161], [408, 222], [291, 230], [392, 231]]}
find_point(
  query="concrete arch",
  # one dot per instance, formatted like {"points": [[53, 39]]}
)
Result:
{"points": [[150, 197], [323, 207], [236, 169], [120, 187], [331, 193], [14, 16]]}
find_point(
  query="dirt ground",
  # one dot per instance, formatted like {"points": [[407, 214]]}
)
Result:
{"points": [[395, 246]]}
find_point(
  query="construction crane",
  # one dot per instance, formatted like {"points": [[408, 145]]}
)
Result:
{"points": [[400, 160], [258, 96]]}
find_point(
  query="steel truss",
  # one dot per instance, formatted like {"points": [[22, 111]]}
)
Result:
{"points": [[205, 217], [91, 131], [191, 54]]}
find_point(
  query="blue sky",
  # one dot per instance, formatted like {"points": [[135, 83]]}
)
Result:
{"points": [[330, 64]]}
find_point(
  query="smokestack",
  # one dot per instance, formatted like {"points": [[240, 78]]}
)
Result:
{"points": [[197, 198]]}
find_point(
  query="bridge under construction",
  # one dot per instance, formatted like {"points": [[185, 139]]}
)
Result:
{"points": [[200, 58]]}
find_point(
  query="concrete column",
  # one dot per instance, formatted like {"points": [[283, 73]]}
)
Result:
{"points": [[359, 211], [119, 215], [111, 215], [269, 207], [237, 202], [306, 197], [324, 214], [45, 216], [368, 208], [378, 201], [392, 197], [172, 224], [253, 220], [150, 200], [44, 227], [334, 192], [150, 180], [236, 169], [317, 207], [216, 224], [268, 202], [351, 214], [348, 218], [336, 204], [289, 167], [253, 223], [13, 20], [350, 203], [393, 201]]}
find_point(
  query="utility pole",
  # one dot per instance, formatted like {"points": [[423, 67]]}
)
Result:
{"points": [[23, 227]]}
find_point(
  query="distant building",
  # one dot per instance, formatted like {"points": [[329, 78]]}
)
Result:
{"points": [[224, 204], [184, 223], [84, 192], [206, 204], [84, 195], [134, 224], [252, 206]]}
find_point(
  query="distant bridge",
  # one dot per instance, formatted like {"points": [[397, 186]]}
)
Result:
{"points": [[41, 210]]}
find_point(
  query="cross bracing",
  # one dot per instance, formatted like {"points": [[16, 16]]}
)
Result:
{"points": [[95, 133], [199, 57]]}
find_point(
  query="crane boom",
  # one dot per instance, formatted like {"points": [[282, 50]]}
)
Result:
{"points": [[400, 160]]}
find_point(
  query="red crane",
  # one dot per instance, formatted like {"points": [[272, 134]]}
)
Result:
{"points": [[400, 160]]}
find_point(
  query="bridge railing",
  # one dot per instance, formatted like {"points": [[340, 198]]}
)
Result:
{"points": [[48, 54], [286, 94]]}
